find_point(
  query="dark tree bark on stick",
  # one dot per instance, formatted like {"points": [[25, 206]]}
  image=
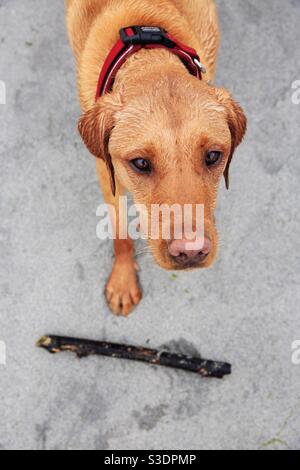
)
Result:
{"points": [[84, 348]]}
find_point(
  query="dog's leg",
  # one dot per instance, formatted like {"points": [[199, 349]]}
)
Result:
{"points": [[122, 289]]}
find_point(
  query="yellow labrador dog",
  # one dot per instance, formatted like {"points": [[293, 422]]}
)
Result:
{"points": [[157, 126]]}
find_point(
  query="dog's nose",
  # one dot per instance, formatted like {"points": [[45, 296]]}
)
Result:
{"points": [[187, 253]]}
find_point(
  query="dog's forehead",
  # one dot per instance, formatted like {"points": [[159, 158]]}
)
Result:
{"points": [[166, 124], [174, 115], [178, 110]]}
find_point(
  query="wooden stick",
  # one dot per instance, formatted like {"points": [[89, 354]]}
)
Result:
{"points": [[85, 347]]}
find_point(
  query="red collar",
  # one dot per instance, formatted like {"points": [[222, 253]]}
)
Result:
{"points": [[134, 38]]}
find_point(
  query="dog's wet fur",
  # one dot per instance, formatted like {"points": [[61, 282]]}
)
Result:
{"points": [[159, 112]]}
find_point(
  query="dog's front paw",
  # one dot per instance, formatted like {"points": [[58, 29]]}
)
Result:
{"points": [[123, 292]]}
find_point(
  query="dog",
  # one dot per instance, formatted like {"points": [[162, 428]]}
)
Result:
{"points": [[160, 133]]}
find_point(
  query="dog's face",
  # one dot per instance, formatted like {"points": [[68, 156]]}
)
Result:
{"points": [[169, 143]]}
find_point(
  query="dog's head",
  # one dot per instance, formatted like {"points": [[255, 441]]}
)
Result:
{"points": [[169, 142]]}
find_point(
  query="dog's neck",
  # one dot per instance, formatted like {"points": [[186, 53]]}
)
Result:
{"points": [[104, 33]]}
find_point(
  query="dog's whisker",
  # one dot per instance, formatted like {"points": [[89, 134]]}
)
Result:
{"points": [[143, 249], [144, 253]]}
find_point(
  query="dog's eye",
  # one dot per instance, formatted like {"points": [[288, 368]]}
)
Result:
{"points": [[212, 157], [140, 164]]}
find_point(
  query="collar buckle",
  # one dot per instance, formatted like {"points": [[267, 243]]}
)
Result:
{"points": [[145, 35]]}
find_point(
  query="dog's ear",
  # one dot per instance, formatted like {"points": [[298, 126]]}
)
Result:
{"points": [[95, 126], [237, 123]]}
